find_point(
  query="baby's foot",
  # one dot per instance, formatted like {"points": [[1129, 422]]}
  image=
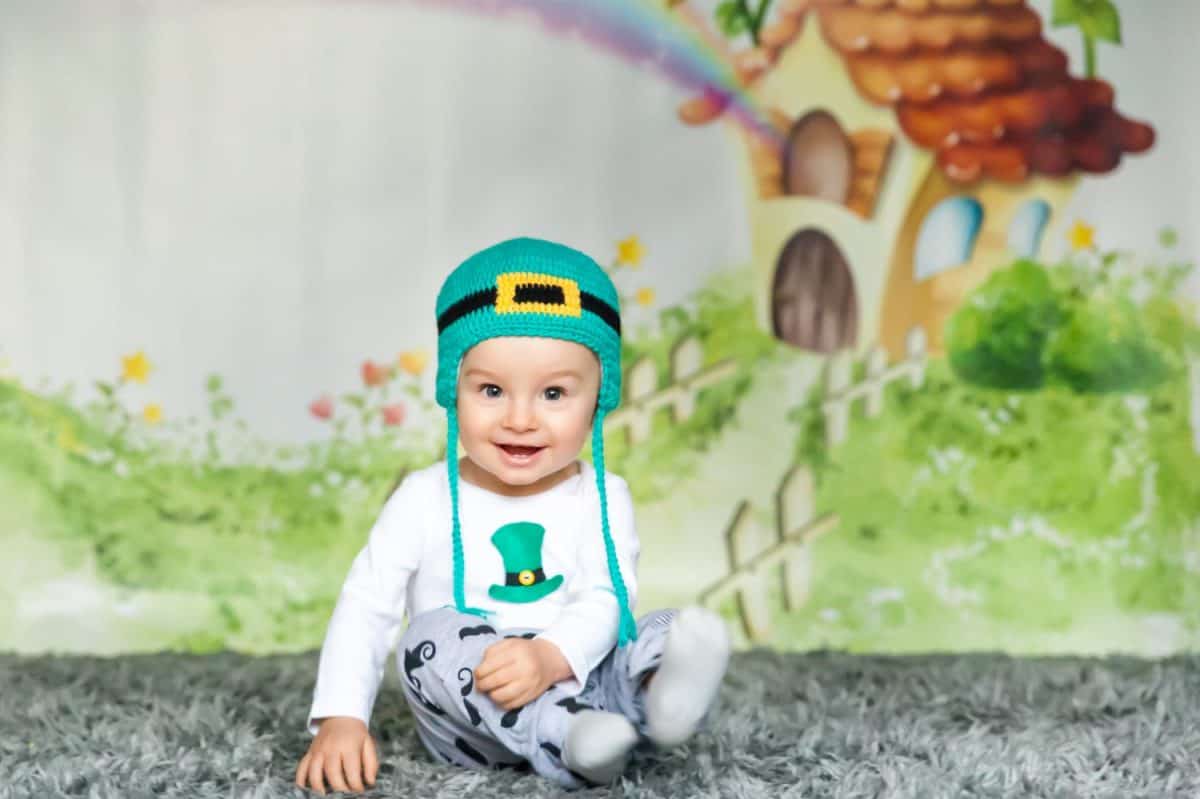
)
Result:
{"points": [[598, 745], [688, 677]]}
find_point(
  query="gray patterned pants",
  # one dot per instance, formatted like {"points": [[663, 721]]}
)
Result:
{"points": [[440, 651]]}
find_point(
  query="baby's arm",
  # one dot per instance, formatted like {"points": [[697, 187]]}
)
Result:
{"points": [[366, 620], [360, 636], [586, 629]]}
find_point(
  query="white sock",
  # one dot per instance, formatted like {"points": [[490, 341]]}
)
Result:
{"points": [[688, 677], [598, 745]]}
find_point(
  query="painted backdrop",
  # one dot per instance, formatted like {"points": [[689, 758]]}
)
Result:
{"points": [[912, 355]]}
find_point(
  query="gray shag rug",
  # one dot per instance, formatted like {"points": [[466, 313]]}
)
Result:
{"points": [[817, 724]]}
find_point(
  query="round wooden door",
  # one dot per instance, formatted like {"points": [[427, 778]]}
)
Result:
{"points": [[819, 159], [813, 303]]}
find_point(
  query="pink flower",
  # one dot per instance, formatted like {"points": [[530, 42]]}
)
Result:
{"points": [[374, 374], [393, 414], [322, 408]]}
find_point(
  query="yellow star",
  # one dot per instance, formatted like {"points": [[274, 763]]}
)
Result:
{"points": [[135, 367], [645, 297], [1082, 236], [152, 413], [413, 361], [630, 252]]}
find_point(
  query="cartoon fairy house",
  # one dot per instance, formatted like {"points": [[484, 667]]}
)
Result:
{"points": [[914, 146]]}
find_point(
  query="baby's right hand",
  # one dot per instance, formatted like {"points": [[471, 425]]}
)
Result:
{"points": [[342, 752]]}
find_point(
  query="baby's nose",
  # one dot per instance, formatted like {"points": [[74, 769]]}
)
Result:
{"points": [[520, 416]]}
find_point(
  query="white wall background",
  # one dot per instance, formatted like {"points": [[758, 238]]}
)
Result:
{"points": [[274, 190]]}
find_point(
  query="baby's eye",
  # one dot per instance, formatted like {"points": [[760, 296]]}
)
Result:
{"points": [[554, 393], [490, 390]]}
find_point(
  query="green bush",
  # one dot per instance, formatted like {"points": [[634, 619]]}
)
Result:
{"points": [[1076, 324], [1103, 347], [998, 338]]}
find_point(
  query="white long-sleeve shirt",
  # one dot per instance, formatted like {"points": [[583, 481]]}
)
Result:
{"points": [[407, 565]]}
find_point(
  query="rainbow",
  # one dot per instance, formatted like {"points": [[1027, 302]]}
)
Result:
{"points": [[645, 33]]}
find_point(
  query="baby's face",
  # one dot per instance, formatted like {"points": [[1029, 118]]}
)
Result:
{"points": [[525, 407]]}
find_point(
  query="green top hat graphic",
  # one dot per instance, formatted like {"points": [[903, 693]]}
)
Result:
{"points": [[520, 544]]}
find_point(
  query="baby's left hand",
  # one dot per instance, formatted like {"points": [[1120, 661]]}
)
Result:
{"points": [[516, 671]]}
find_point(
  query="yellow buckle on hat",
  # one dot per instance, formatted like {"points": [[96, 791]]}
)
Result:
{"points": [[507, 286]]}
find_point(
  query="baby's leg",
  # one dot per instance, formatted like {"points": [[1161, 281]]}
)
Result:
{"points": [[666, 682], [438, 656], [433, 662], [617, 684]]}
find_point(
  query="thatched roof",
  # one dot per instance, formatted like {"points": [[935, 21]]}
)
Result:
{"points": [[974, 80]]}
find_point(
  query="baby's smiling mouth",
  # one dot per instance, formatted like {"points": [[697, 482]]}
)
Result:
{"points": [[518, 450]]}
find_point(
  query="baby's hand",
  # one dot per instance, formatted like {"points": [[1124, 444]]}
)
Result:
{"points": [[516, 671], [342, 751]]}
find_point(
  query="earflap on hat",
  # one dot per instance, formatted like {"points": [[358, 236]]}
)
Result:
{"points": [[627, 629], [460, 599]]}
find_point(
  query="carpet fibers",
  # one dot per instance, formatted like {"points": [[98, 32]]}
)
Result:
{"points": [[817, 724]]}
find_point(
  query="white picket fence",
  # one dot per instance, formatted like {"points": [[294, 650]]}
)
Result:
{"points": [[757, 553], [840, 394], [643, 398]]}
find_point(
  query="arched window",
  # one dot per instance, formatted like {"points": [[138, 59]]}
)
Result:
{"points": [[947, 236], [1027, 226]]}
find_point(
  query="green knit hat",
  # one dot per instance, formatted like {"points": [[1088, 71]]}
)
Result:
{"points": [[530, 287]]}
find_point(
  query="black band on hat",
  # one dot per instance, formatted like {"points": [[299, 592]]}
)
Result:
{"points": [[599, 307], [468, 304]]}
